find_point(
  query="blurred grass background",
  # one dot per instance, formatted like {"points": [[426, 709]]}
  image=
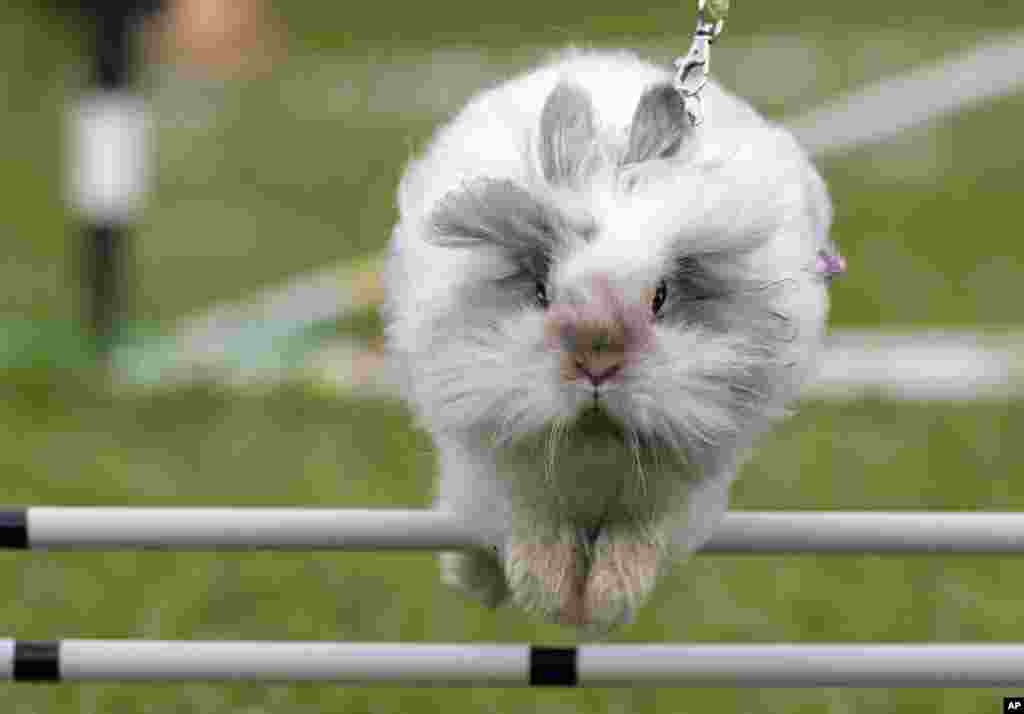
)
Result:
{"points": [[261, 178]]}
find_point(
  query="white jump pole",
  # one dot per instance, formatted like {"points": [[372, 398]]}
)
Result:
{"points": [[83, 528], [509, 665]]}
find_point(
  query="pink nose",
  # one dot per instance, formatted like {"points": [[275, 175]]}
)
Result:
{"points": [[595, 337]]}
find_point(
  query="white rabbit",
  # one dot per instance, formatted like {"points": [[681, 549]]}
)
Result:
{"points": [[595, 307]]}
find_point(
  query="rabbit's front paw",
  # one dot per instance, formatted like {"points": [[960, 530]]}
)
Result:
{"points": [[476, 573], [548, 578], [622, 574]]}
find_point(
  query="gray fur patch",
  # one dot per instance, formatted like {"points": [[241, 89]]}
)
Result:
{"points": [[659, 125], [500, 213], [566, 135]]}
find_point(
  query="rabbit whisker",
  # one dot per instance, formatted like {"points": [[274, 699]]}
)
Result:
{"points": [[555, 436], [634, 447]]}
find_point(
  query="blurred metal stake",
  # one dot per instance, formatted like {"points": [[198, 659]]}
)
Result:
{"points": [[108, 168]]}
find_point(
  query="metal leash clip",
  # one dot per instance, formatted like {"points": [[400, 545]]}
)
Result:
{"points": [[692, 70]]}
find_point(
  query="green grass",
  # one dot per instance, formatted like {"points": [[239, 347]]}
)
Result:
{"points": [[290, 173]]}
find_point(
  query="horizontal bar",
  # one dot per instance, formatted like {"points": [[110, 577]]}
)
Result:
{"points": [[974, 532], [82, 528], [507, 665], [244, 528]]}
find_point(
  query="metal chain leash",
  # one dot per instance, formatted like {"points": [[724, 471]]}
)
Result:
{"points": [[693, 68]]}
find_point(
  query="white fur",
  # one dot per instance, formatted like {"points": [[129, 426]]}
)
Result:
{"points": [[483, 384]]}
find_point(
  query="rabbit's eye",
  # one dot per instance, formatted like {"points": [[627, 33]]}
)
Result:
{"points": [[542, 294], [659, 298]]}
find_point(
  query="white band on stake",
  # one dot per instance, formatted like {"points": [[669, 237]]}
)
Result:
{"points": [[108, 156]]}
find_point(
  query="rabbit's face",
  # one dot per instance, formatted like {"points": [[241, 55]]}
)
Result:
{"points": [[638, 302], [598, 335]]}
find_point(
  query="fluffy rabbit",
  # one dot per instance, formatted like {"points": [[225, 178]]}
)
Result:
{"points": [[595, 308]]}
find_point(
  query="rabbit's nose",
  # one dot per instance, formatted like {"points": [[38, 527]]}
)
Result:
{"points": [[595, 333]]}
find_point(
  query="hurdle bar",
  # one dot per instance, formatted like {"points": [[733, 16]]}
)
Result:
{"points": [[515, 665], [792, 532]]}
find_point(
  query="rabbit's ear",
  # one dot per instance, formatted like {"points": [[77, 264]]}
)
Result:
{"points": [[659, 125], [566, 134]]}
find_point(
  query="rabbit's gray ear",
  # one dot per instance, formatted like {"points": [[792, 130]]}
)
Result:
{"points": [[566, 134], [659, 125]]}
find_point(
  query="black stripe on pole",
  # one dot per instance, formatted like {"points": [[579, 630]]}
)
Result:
{"points": [[112, 39], [14, 529], [553, 667], [36, 661], [105, 263]]}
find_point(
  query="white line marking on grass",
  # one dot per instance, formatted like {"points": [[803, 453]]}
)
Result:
{"points": [[886, 108], [930, 365], [295, 306]]}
